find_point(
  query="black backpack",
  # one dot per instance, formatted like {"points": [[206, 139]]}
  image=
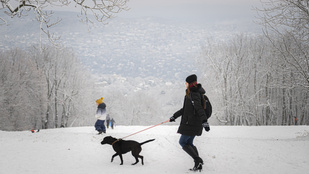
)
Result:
{"points": [[207, 106]]}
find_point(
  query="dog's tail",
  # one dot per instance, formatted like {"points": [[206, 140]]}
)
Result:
{"points": [[146, 141]]}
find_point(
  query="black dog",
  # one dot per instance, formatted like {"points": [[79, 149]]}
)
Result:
{"points": [[122, 147]]}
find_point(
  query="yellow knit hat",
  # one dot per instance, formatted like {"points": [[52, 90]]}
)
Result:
{"points": [[99, 101]]}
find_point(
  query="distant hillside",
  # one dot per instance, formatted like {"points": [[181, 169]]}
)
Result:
{"points": [[129, 47]]}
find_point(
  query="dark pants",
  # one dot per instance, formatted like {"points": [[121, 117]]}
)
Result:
{"points": [[107, 123], [186, 140], [99, 126]]}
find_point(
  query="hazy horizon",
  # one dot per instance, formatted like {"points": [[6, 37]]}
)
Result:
{"points": [[189, 11]]}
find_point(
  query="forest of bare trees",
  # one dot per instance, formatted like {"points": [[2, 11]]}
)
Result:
{"points": [[263, 80], [253, 79], [42, 89]]}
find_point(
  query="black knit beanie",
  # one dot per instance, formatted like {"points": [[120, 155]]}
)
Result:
{"points": [[192, 78]]}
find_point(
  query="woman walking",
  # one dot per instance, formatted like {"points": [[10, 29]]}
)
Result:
{"points": [[193, 119]]}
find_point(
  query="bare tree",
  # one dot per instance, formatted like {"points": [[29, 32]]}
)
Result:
{"points": [[65, 78], [99, 10], [286, 25], [265, 82], [252, 85], [22, 87]]}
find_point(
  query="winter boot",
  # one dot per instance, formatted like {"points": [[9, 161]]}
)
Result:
{"points": [[198, 162], [195, 149]]}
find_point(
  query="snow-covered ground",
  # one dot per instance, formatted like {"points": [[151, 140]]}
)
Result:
{"points": [[224, 150]]}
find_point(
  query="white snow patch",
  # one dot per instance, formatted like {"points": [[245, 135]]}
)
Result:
{"points": [[224, 150]]}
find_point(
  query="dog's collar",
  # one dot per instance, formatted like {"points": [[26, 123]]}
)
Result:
{"points": [[116, 141]]}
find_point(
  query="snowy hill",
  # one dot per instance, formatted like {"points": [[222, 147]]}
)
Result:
{"points": [[281, 150]]}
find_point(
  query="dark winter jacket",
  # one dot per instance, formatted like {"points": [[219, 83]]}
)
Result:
{"points": [[192, 113]]}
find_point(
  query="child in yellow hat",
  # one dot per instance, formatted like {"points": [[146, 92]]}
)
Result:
{"points": [[100, 116]]}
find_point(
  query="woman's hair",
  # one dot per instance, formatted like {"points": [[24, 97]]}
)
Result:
{"points": [[191, 85]]}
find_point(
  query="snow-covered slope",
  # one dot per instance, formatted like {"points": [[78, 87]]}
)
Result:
{"points": [[224, 150]]}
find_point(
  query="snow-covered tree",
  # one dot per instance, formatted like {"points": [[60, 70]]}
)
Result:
{"points": [[43, 88], [65, 78], [251, 84], [286, 24], [22, 87]]}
